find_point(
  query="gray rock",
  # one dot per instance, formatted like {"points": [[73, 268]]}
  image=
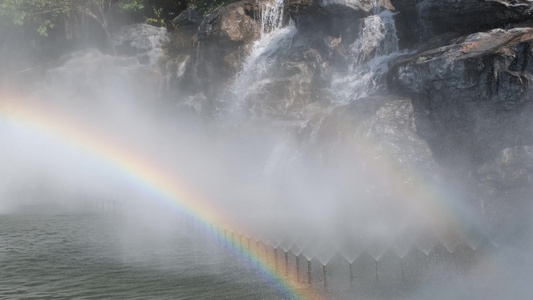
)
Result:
{"points": [[382, 126], [333, 17], [421, 19], [188, 17], [472, 98], [223, 40], [143, 40], [394, 132], [512, 168]]}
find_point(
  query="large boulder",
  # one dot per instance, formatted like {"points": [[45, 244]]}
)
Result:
{"points": [[235, 23], [472, 98], [421, 19]]}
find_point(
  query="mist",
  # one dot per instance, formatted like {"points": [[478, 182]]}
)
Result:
{"points": [[340, 172]]}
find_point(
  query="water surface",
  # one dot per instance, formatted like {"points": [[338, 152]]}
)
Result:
{"points": [[95, 256]]}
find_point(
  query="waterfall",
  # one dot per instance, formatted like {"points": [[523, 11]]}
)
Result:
{"points": [[370, 55], [262, 57], [271, 16]]}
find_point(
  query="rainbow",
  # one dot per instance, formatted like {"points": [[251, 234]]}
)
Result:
{"points": [[169, 187]]}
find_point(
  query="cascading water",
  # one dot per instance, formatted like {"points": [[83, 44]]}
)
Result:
{"points": [[371, 53], [271, 16], [257, 67], [369, 58]]}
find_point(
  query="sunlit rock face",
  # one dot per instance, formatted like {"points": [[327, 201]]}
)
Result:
{"points": [[473, 98], [274, 58], [421, 19]]}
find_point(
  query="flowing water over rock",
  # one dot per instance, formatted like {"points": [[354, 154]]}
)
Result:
{"points": [[370, 57], [265, 55]]}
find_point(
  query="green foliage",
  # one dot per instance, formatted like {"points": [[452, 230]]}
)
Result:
{"points": [[9, 12], [43, 15], [157, 20], [134, 5], [43, 28]]}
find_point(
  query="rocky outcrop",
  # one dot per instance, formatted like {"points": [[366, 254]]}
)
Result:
{"points": [[188, 18], [223, 40], [421, 19], [143, 40], [379, 127], [178, 63], [472, 98], [394, 132], [332, 17]]}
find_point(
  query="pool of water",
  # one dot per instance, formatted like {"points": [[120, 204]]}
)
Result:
{"points": [[96, 256]]}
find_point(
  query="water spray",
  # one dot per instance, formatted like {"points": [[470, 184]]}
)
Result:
{"points": [[402, 268], [286, 264], [266, 252], [325, 277], [309, 279], [377, 271], [298, 268], [352, 277], [276, 258]]}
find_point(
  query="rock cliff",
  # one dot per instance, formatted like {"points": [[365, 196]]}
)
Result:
{"points": [[440, 89]]}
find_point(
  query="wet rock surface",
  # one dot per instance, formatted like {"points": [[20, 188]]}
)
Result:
{"points": [[223, 40], [463, 90], [460, 98], [472, 98], [421, 19]]}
